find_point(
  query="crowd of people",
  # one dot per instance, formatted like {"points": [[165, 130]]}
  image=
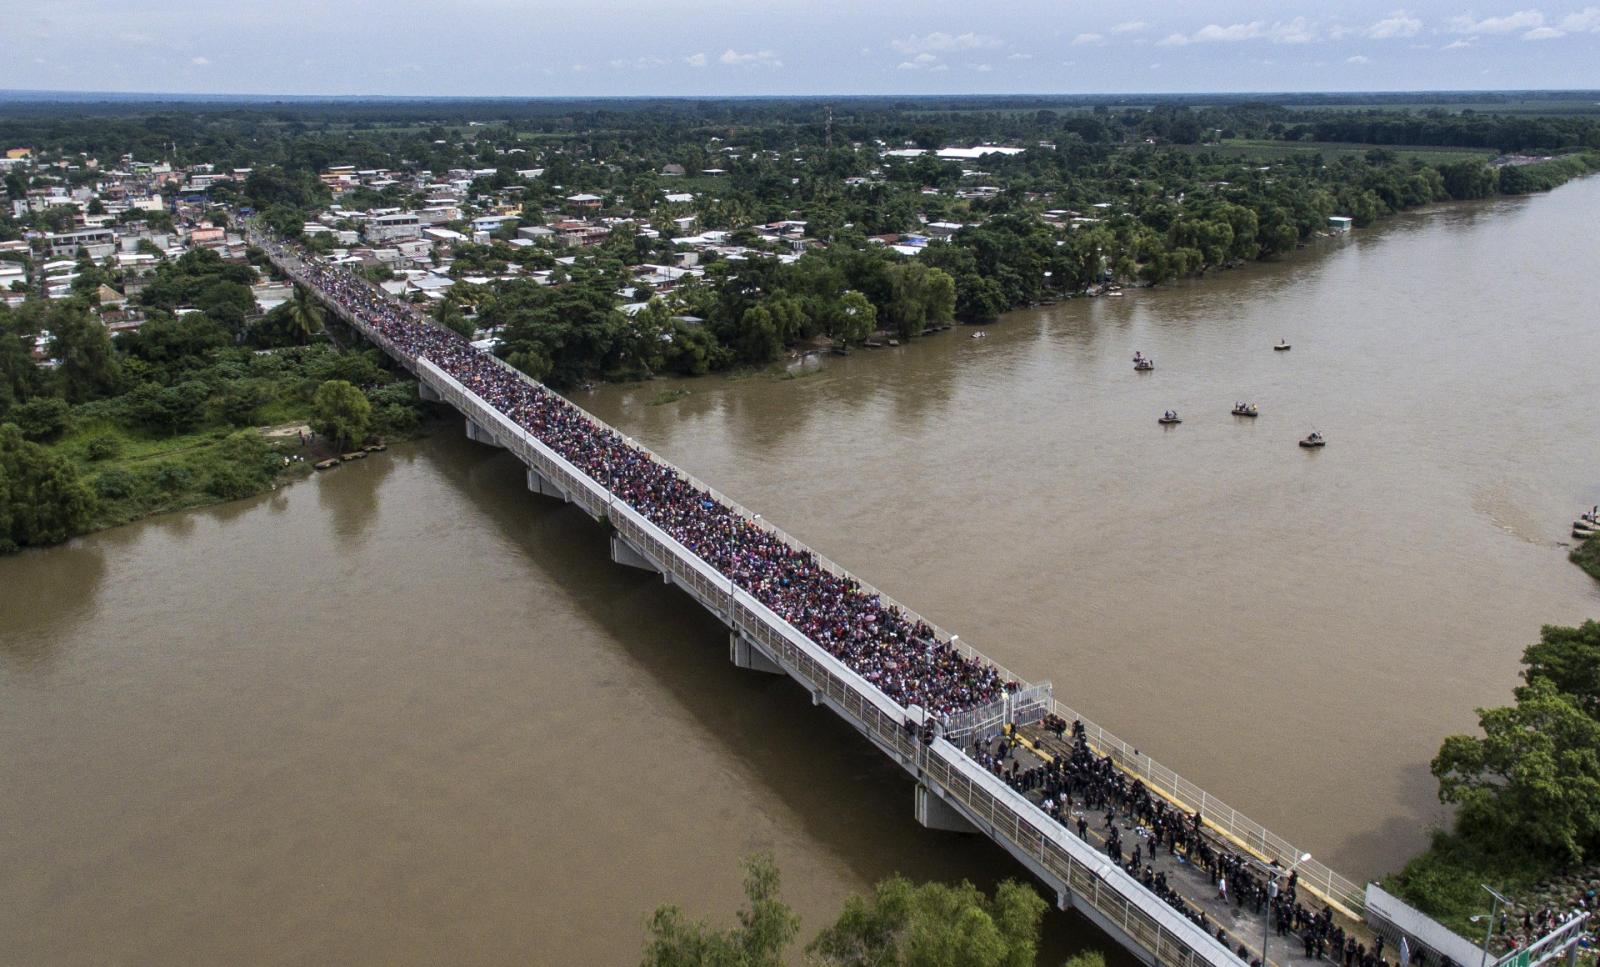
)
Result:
{"points": [[901, 656], [1070, 787]]}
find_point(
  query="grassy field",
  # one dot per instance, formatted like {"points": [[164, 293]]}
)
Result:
{"points": [[1278, 150], [135, 475]]}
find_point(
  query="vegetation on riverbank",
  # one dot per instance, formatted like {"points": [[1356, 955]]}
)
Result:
{"points": [[900, 924], [1527, 792], [1587, 556], [171, 416]]}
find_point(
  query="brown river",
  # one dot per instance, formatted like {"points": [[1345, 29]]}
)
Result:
{"points": [[407, 713]]}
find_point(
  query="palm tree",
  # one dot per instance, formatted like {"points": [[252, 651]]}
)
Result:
{"points": [[305, 314]]}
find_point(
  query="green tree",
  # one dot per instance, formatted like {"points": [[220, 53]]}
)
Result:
{"points": [[305, 314], [42, 419], [89, 367], [1570, 659], [341, 412], [1532, 780], [934, 925], [42, 501], [766, 928]]}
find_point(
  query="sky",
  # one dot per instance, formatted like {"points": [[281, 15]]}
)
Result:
{"points": [[531, 48]]}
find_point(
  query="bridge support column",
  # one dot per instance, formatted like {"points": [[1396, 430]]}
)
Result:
{"points": [[428, 392], [478, 434], [540, 484], [624, 553], [744, 655], [934, 813]]}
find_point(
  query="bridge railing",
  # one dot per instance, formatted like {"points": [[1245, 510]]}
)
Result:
{"points": [[1243, 831]]}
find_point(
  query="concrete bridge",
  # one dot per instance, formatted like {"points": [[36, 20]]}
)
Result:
{"points": [[952, 791]]}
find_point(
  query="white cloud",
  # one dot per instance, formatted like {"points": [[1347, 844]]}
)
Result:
{"points": [[695, 60], [1460, 44], [758, 58], [981, 68], [1129, 26], [1397, 24], [941, 41], [200, 61], [1586, 20], [1296, 31], [1543, 33], [1521, 20], [1019, 55], [918, 62], [1085, 39], [1358, 59]]}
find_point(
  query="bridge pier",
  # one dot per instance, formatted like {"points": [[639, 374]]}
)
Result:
{"points": [[934, 813], [428, 392], [747, 656], [478, 434], [624, 553], [540, 484]]}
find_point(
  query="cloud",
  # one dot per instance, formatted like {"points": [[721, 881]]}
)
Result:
{"points": [[1397, 24], [645, 62], [918, 62], [1358, 59], [1543, 33], [981, 68], [1586, 20], [695, 60], [1083, 40], [1019, 55], [941, 41], [1129, 26], [1296, 31], [200, 61], [759, 58], [1461, 44], [1521, 20]]}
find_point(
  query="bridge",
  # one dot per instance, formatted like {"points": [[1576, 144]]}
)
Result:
{"points": [[958, 785]]}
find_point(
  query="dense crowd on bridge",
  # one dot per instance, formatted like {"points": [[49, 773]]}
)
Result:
{"points": [[898, 654], [1070, 785]]}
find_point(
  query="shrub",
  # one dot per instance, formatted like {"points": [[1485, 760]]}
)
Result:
{"points": [[103, 447], [115, 484], [42, 419]]}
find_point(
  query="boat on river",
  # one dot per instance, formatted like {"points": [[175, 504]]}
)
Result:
{"points": [[1245, 409], [1169, 418], [1144, 364], [1282, 346], [1313, 441]]}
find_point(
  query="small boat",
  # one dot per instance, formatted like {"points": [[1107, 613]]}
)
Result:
{"points": [[354, 455], [980, 335], [1246, 409], [376, 447], [1582, 534], [1169, 418], [1282, 346], [1144, 365], [327, 464], [894, 342], [873, 344], [1314, 440]]}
